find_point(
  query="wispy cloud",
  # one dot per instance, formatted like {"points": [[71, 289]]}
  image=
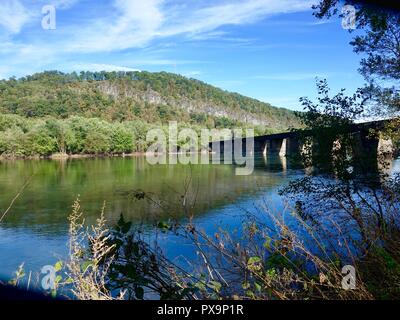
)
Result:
{"points": [[210, 18], [16, 14], [63, 4], [100, 67], [193, 73], [156, 61], [140, 22], [319, 22], [136, 23], [13, 15], [125, 25]]}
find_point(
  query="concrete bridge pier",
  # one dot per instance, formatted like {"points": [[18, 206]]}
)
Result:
{"points": [[276, 147], [374, 153], [294, 147], [385, 147], [323, 148], [386, 151], [246, 147], [373, 146], [259, 145]]}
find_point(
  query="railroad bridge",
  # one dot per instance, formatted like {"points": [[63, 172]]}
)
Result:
{"points": [[291, 143]]}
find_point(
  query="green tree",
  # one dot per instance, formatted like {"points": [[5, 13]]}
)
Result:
{"points": [[121, 139], [38, 141], [379, 46], [11, 142]]}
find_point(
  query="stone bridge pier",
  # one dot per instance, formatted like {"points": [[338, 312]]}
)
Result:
{"points": [[289, 144], [375, 145], [276, 147], [279, 145], [373, 152]]}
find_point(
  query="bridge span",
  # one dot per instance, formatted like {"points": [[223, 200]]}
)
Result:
{"points": [[368, 137]]}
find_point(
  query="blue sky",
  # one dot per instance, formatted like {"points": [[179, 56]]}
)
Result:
{"points": [[271, 50]]}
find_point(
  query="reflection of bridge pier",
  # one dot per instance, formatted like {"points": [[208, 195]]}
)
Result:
{"points": [[274, 163]]}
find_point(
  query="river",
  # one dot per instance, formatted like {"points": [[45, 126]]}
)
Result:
{"points": [[35, 230]]}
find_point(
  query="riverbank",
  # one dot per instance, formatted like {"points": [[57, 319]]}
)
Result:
{"points": [[65, 156]]}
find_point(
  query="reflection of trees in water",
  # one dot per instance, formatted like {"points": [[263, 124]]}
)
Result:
{"points": [[55, 185]]}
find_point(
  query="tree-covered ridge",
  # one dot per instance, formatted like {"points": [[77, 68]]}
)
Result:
{"points": [[145, 96], [111, 112]]}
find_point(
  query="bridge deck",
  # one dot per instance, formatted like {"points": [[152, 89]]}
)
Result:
{"points": [[292, 134]]}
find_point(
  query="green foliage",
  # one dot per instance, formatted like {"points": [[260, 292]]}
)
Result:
{"points": [[38, 141], [111, 112], [328, 123], [11, 142], [19, 274], [125, 96], [21, 136], [121, 140], [379, 46], [381, 269], [137, 268], [28, 137]]}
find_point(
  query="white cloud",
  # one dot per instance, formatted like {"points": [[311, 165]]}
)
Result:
{"points": [[100, 67], [193, 73], [128, 24], [320, 22], [136, 24], [4, 70], [13, 15], [234, 13], [164, 62], [139, 22], [63, 4]]}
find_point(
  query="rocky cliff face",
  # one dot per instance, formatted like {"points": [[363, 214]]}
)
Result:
{"points": [[192, 106], [139, 96]]}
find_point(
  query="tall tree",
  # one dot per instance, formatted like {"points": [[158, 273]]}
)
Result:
{"points": [[378, 41]]}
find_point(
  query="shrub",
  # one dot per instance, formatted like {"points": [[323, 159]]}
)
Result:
{"points": [[38, 141], [121, 139]]}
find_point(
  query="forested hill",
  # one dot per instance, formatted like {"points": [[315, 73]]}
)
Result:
{"points": [[149, 97]]}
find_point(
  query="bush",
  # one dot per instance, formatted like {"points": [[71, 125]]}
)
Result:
{"points": [[11, 142], [121, 139], [38, 141]]}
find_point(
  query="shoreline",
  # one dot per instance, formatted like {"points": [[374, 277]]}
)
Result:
{"points": [[65, 156]]}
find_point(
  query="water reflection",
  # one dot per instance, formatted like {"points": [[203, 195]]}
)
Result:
{"points": [[35, 230]]}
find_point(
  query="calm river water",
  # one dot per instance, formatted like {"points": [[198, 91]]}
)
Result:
{"points": [[35, 230]]}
